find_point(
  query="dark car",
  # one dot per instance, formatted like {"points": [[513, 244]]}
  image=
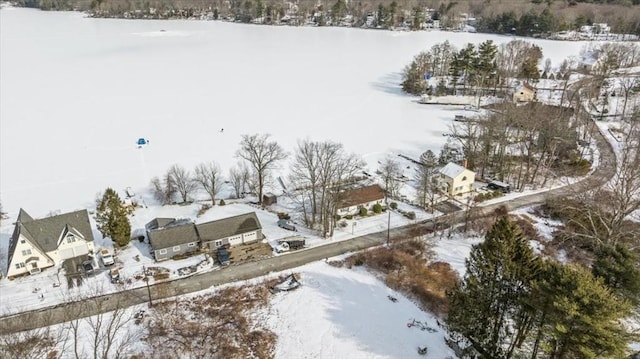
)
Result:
{"points": [[87, 267]]}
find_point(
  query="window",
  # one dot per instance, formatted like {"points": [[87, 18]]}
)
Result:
{"points": [[19, 265], [464, 178], [218, 243], [26, 252], [176, 248], [23, 241], [191, 244], [163, 251], [71, 238]]}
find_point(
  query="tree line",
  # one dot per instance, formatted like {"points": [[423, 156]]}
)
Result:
{"points": [[521, 17], [471, 69]]}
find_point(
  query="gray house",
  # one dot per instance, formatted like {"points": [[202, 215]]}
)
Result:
{"points": [[244, 228], [170, 238]]}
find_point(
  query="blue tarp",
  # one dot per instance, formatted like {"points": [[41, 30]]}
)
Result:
{"points": [[142, 141]]}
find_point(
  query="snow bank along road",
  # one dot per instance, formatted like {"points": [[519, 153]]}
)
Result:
{"points": [[67, 311]]}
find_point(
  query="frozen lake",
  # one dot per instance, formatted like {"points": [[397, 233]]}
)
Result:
{"points": [[76, 93]]}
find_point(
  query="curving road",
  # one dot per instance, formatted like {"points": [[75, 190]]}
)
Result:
{"points": [[72, 310]]}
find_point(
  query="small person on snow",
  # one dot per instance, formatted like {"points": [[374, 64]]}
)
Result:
{"points": [[221, 130]]}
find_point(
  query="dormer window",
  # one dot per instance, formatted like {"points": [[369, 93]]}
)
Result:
{"points": [[70, 238]]}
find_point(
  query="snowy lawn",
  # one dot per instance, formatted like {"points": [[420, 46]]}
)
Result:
{"points": [[340, 313]]}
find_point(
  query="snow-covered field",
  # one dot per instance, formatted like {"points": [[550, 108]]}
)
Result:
{"points": [[76, 93], [347, 311]]}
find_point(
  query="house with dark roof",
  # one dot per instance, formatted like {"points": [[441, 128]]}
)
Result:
{"points": [[37, 244], [170, 237], [351, 200], [244, 228]]}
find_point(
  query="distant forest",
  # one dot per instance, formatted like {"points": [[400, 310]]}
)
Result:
{"points": [[520, 17]]}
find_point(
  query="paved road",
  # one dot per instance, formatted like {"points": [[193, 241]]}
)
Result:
{"points": [[197, 282]]}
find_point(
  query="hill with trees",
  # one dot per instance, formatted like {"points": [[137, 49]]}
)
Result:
{"points": [[519, 17]]}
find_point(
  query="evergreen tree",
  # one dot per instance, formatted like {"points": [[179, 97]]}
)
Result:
{"points": [[467, 58], [413, 82], [487, 308], [619, 269], [577, 315], [111, 217]]}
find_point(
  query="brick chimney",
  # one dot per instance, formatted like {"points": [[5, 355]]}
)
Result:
{"points": [[464, 163]]}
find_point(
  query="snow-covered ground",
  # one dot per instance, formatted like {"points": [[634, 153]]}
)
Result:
{"points": [[39, 290], [77, 92], [335, 313], [347, 314]]}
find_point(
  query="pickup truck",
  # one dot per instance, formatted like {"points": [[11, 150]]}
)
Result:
{"points": [[107, 257]]}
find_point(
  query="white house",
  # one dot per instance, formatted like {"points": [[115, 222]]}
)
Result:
{"points": [[352, 200], [37, 244], [455, 180]]}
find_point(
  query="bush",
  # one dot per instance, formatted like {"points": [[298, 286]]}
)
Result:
{"points": [[411, 215], [282, 215], [393, 205], [582, 166], [348, 216], [337, 217], [221, 202], [487, 196], [343, 224], [363, 212], [377, 208]]}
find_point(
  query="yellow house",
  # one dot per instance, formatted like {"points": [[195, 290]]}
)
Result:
{"points": [[524, 93], [455, 180]]}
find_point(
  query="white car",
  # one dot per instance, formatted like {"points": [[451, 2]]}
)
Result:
{"points": [[107, 257]]}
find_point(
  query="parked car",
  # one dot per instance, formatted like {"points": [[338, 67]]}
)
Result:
{"points": [[107, 257], [223, 256], [87, 267], [283, 223], [114, 275]]}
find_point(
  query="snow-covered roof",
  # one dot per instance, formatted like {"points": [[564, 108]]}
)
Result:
{"points": [[452, 170]]}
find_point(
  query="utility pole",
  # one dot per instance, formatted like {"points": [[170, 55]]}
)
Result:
{"points": [[146, 279], [388, 226]]}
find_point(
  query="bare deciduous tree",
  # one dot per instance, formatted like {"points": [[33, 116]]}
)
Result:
{"points": [[304, 173], [603, 211], [209, 176], [390, 172], [321, 169], [163, 190], [182, 180], [44, 342], [262, 155], [239, 178]]}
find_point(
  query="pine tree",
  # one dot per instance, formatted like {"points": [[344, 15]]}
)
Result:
{"points": [[618, 268], [577, 315], [487, 309], [111, 217]]}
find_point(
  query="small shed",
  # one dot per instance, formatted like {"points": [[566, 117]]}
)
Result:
{"points": [[269, 199], [524, 93]]}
